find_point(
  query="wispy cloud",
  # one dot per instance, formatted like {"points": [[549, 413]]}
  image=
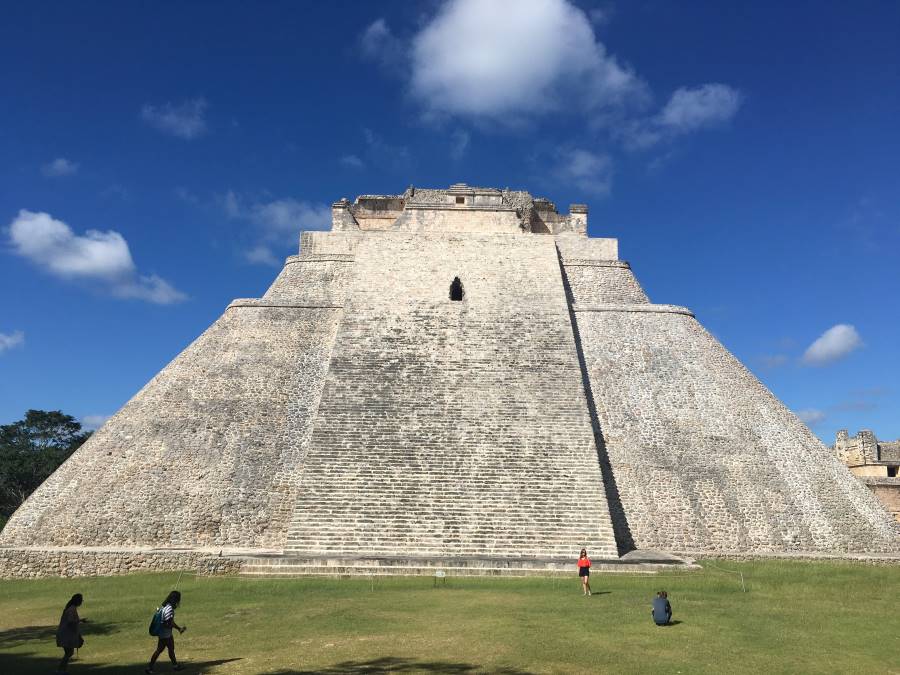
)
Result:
{"points": [[384, 155], [772, 361], [352, 162], [10, 340], [811, 416], [590, 172], [833, 345], [59, 167], [694, 108], [378, 44], [185, 120], [687, 111], [100, 257], [94, 422], [459, 144], [279, 223]]}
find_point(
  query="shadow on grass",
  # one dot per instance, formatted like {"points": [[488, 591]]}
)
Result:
{"points": [[26, 664], [393, 664], [15, 637]]}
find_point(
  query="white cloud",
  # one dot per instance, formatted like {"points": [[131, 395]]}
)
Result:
{"points": [[833, 345], [185, 120], [10, 340], [377, 43], [94, 422], [703, 106], [102, 257], [352, 162], [59, 167], [588, 171], [512, 57], [811, 416]]}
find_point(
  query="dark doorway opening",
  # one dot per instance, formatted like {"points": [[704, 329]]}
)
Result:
{"points": [[456, 289]]}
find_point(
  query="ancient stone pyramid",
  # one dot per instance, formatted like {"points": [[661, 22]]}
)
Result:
{"points": [[456, 372]]}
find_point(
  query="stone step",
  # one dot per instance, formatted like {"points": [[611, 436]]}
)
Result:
{"points": [[297, 566]]}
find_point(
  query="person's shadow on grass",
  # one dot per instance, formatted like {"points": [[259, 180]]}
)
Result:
{"points": [[16, 637], [393, 664], [32, 664]]}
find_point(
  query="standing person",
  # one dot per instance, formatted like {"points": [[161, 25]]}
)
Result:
{"points": [[662, 610], [584, 571], [68, 635], [166, 641]]}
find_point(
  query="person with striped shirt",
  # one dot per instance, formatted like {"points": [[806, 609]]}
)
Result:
{"points": [[166, 641]]}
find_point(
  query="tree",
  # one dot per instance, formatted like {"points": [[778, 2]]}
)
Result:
{"points": [[30, 450]]}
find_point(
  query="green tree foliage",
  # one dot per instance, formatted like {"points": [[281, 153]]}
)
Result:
{"points": [[30, 450]]}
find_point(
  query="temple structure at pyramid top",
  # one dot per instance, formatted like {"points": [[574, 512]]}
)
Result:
{"points": [[460, 208], [459, 378]]}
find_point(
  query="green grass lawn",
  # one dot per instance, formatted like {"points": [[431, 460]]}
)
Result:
{"points": [[795, 617]]}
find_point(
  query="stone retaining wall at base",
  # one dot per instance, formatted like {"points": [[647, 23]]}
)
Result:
{"points": [[30, 563]]}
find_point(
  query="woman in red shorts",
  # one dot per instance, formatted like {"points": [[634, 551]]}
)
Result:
{"points": [[584, 571]]}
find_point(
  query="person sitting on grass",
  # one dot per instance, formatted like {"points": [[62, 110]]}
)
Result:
{"points": [[68, 635], [662, 610], [166, 641], [584, 571]]}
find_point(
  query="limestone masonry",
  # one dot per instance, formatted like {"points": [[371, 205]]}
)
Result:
{"points": [[875, 463], [447, 374]]}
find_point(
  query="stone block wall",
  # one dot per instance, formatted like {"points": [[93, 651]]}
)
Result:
{"points": [[453, 428], [704, 457], [206, 454], [600, 282], [25, 563]]}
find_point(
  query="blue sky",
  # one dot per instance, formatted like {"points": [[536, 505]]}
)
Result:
{"points": [[159, 159]]}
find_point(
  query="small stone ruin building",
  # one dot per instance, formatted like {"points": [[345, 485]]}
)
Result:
{"points": [[875, 463]]}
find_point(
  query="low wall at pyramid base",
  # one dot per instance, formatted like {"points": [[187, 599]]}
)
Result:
{"points": [[65, 562], [72, 562]]}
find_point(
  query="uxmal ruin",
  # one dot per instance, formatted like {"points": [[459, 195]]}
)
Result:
{"points": [[456, 377]]}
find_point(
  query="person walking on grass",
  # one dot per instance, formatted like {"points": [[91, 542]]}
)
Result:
{"points": [[68, 635], [662, 610], [166, 624], [584, 571]]}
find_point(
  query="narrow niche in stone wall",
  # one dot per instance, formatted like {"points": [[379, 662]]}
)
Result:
{"points": [[456, 289]]}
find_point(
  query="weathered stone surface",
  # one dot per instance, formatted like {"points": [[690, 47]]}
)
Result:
{"points": [[356, 410], [452, 428]]}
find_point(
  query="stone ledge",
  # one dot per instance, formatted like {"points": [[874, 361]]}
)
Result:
{"points": [[634, 309], [320, 257], [803, 556], [256, 302], [589, 262]]}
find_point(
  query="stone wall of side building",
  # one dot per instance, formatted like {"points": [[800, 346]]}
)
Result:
{"points": [[875, 463]]}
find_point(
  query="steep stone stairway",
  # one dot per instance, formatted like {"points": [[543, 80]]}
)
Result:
{"points": [[453, 428]]}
